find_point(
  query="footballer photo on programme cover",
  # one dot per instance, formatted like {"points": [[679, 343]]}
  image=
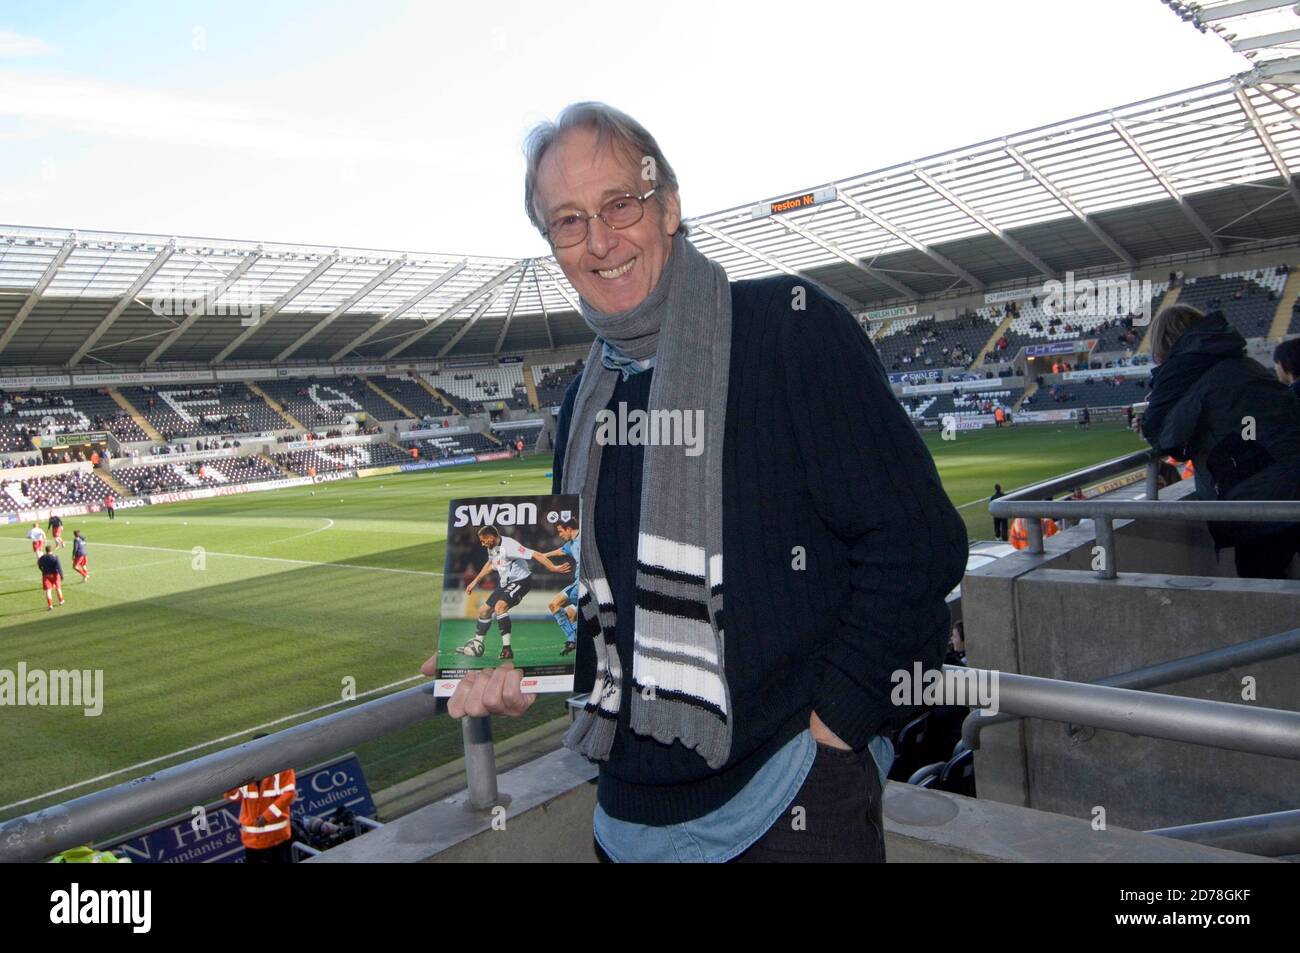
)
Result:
{"points": [[510, 590]]}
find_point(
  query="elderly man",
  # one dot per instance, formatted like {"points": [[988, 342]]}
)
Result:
{"points": [[746, 594]]}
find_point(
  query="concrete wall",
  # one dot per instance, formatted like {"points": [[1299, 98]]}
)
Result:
{"points": [[550, 802], [1039, 615]]}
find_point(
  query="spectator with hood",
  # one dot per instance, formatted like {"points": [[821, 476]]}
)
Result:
{"points": [[1239, 426]]}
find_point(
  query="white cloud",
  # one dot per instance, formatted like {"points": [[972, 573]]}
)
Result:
{"points": [[15, 44]]}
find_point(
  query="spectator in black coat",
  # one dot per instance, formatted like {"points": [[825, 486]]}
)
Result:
{"points": [[1239, 426], [1286, 364]]}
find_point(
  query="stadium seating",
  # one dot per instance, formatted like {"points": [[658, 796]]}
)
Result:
{"points": [[437, 447], [552, 380], [958, 775], [164, 477], [412, 396], [919, 405], [927, 740], [508, 435], [908, 343], [178, 411], [323, 403], [1093, 392], [1035, 323], [472, 387], [62, 411], [1247, 299], [971, 403], [335, 459], [66, 489]]}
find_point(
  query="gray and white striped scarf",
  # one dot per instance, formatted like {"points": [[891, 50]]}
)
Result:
{"points": [[679, 691]]}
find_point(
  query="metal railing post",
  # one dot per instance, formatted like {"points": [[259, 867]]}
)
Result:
{"points": [[1153, 479], [1105, 530], [480, 762], [1034, 532]]}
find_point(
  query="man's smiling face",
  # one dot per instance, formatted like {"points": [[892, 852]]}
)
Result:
{"points": [[613, 270]]}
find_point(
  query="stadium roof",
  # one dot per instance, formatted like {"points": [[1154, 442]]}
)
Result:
{"points": [[1263, 31], [1201, 171]]}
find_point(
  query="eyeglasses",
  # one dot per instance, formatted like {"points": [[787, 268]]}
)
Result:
{"points": [[622, 211]]}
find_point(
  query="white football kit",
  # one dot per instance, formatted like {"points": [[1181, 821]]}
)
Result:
{"points": [[510, 559]]}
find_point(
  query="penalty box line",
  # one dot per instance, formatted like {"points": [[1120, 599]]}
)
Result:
{"points": [[205, 744]]}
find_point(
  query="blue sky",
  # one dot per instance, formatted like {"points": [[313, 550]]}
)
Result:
{"points": [[397, 125]]}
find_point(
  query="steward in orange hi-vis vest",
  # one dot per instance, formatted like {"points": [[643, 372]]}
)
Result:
{"points": [[1019, 535], [269, 801]]}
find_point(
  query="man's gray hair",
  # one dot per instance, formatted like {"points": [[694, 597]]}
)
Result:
{"points": [[612, 126]]}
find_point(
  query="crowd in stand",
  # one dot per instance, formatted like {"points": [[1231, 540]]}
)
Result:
{"points": [[551, 388], [213, 443], [161, 478], [72, 488], [930, 332]]}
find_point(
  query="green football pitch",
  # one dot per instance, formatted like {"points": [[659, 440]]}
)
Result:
{"points": [[215, 619], [535, 642]]}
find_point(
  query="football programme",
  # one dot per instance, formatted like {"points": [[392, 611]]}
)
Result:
{"points": [[510, 590]]}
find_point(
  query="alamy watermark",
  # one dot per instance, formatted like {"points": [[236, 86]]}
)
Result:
{"points": [[181, 302], [1107, 297], [651, 428], [965, 687], [38, 687]]}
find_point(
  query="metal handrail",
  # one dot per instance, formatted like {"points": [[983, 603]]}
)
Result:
{"points": [[1267, 731], [1268, 835], [1035, 502], [101, 814], [1046, 489], [1263, 649], [95, 816]]}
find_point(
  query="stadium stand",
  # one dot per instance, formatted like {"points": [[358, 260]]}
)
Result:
{"points": [[66, 489], [530, 433], [163, 477], [63, 411], [334, 459], [918, 406], [1246, 298], [1093, 392], [472, 387], [909, 343], [437, 447], [411, 395], [552, 380], [320, 403], [1035, 323], [178, 411], [971, 403]]}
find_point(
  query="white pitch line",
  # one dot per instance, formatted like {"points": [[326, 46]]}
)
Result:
{"points": [[199, 747], [267, 559], [982, 499], [329, 524]]}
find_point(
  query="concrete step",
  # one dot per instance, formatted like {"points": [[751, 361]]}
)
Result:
{"points": [[406, 411], [530, 385], [1282, 316], [143, 424], [277, 407], [1000, 330]]}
